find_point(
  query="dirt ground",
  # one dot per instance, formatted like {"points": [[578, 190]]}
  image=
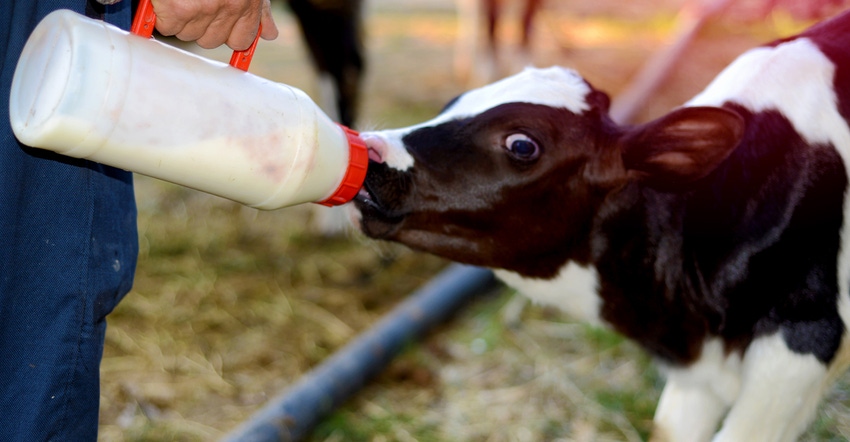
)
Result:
{"points": [[231, 305]]}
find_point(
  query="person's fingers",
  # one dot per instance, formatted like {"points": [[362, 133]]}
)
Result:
{"points": [[211, 23], [244, 30], [220, 31], [270, 31], [204, 32], [172, 16]]}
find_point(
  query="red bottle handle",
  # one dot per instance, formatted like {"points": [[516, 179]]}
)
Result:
{"points": [[145, 21]]}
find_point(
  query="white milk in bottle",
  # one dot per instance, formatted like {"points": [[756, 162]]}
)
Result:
{"points": [[86, 89]]}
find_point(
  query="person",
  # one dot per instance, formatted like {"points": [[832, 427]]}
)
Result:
{"points": [[68, 240]]}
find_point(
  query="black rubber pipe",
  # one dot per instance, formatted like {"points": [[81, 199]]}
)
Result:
{"points": [[293, 414]]}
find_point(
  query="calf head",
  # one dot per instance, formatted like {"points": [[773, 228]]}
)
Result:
{"points": [[513, 175]]}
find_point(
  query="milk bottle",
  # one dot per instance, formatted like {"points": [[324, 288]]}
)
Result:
{"points": [[87, 89]]}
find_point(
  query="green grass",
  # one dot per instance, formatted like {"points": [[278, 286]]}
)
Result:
{"points": [[346, 426]]}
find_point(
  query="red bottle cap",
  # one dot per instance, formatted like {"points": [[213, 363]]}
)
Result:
{"points": [[358, 162]]}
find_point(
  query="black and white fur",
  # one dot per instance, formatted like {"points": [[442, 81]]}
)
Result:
{"points": [[715, 236]]}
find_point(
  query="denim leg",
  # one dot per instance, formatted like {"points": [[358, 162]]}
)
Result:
{"points": [[68, 247]]}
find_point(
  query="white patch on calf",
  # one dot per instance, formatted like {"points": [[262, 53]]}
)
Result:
{"points": [[396, 155], [794, 78], [555, 87], [770, 381], [686, 413], [775, 383], [575, 290], [696, 397], [715, 371]]}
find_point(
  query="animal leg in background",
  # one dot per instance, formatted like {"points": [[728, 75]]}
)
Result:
{"points": [[530, 11], [333, 33], [493, 15], [477, 66]]}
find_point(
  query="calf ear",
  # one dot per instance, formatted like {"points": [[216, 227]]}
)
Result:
{"points": [[682, 146], [599, 100]]}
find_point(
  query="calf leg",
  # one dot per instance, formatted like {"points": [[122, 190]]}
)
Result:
{"points": [[687, 413], [696, 397], [780, 391]]}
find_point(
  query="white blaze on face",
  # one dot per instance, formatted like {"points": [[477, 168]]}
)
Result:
{"points": [[555, 86]]}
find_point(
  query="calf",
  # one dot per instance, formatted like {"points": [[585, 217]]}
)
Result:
{"points": [[715, 236]]}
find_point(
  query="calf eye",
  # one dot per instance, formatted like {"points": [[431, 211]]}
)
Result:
{"points": [[522, 147]]}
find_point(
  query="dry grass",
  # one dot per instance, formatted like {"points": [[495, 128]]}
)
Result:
{"points": [[232, 304]]}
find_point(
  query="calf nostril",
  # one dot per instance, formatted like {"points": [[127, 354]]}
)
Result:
{"points": [[376, 146]]}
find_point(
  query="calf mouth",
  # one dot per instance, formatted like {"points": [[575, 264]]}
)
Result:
{"points": [[381, 200], [365, 199]]}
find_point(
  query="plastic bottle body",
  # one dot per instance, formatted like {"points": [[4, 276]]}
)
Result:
{"points": [[86, 89]]}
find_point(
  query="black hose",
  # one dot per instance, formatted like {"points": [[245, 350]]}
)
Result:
{"points": [[292, 415]]}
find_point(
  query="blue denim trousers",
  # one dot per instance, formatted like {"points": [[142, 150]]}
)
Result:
{"points": [[68, 247]]}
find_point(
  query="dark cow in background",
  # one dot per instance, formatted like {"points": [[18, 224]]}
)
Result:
{"points": [[333, 33], [716, 236]]}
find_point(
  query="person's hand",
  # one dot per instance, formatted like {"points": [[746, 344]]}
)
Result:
{"points": [[211, 23]]}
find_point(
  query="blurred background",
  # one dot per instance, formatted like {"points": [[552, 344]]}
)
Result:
{"points": [[231, 304]]}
